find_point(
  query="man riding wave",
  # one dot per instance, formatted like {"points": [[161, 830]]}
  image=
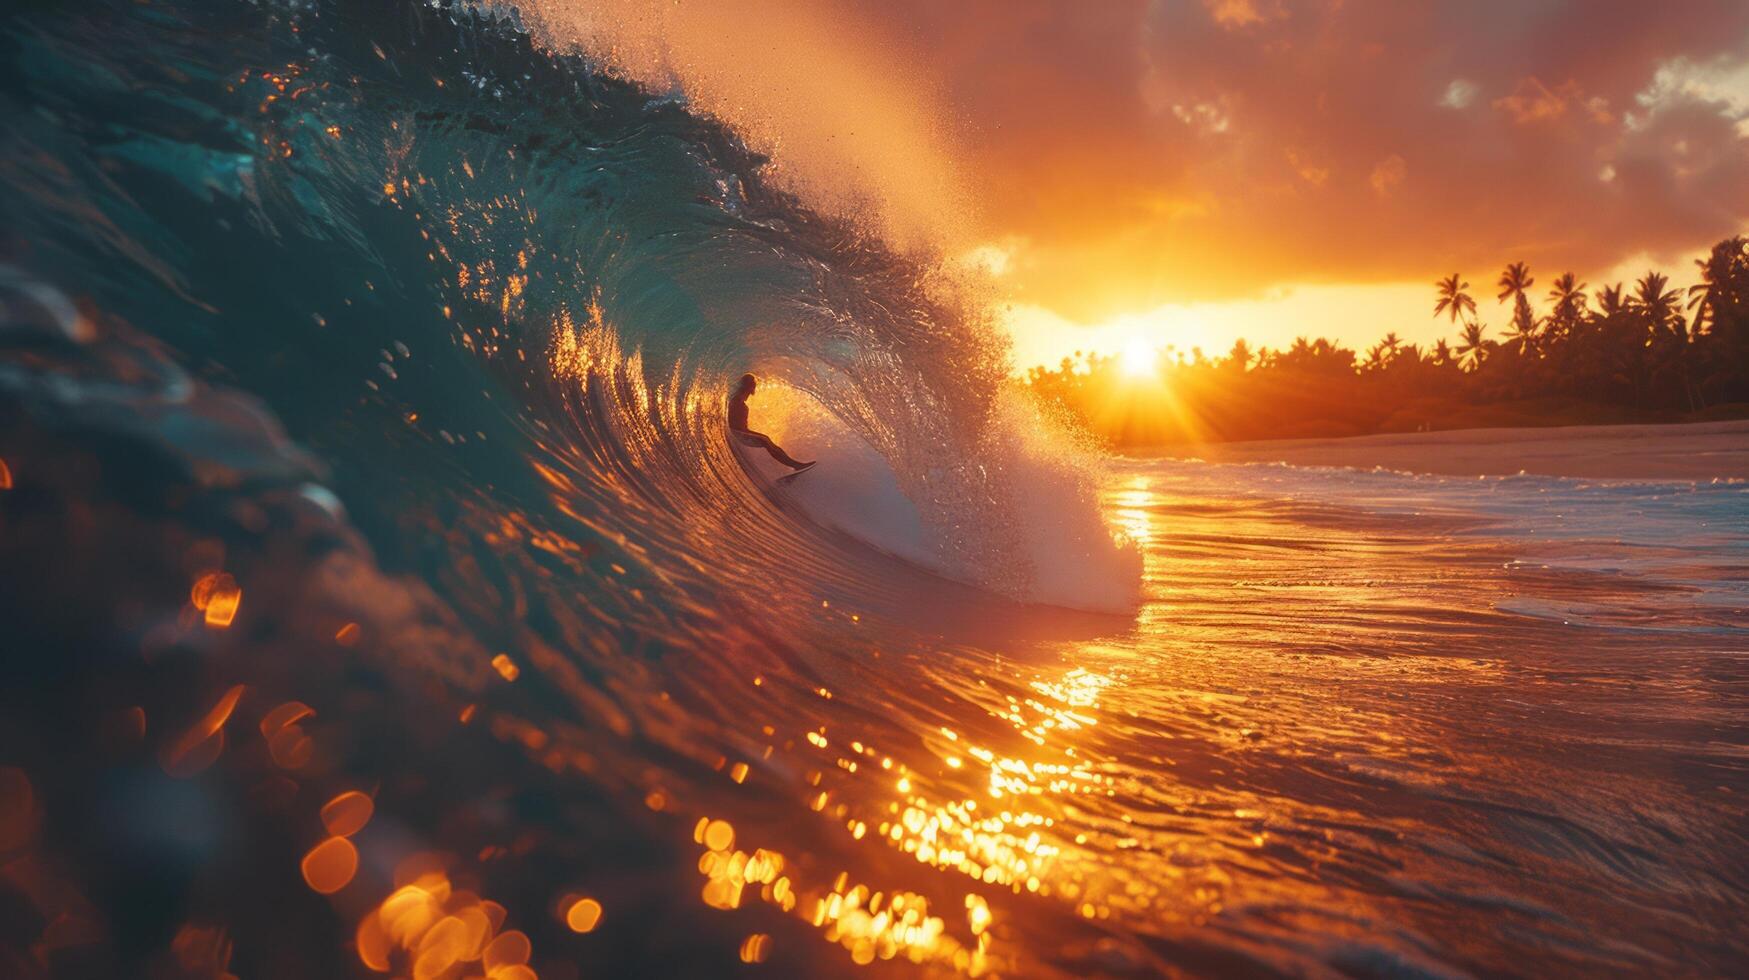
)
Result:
{"points": [[738, 425]]}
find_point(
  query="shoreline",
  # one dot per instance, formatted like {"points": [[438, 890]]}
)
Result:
{"points": [[1688, 451]]}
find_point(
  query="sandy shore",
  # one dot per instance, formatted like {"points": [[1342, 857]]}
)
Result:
{"points": [[1700, 451]]}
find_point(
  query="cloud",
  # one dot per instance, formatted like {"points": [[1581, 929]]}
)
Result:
{"points": [[1178, 152], [1388, 175], [1722, 80], [1131, 153], [1460, 94], [1310, 172], [1534, 102], [1233, 13]]}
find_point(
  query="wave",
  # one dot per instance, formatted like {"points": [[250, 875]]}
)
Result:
{"points": [[414, 335], [433, 214]]}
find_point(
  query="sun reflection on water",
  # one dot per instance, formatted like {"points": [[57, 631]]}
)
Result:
{"points": [[869, 923]]}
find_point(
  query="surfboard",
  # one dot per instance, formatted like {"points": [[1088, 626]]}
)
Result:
{"points": [[788, 477]]}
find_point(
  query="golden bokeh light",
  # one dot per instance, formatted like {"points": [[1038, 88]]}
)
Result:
{"points": [[869, 923], [583, 915], [330, 865], [346, 814], [755, 948], [287, 743], [217, 595], [284, 715], [509, 949], [428, 929], [200, 745]]}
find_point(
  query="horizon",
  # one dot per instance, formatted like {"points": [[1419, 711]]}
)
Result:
{"points": [[1350, 316]]}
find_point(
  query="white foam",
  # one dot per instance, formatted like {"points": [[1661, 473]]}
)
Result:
{"points": [[1077, 560], [1072, 558], [853, 489]]}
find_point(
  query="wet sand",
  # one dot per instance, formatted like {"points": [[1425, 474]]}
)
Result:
{"points": [[1698, 451]]}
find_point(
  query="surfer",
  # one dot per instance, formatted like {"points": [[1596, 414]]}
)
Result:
{"points": [[738, 425]]}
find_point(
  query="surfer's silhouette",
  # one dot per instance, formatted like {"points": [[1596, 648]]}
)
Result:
{"points": [[759, 440]]}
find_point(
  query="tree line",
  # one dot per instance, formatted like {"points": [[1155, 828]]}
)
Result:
{"points": [[1639, 352]]}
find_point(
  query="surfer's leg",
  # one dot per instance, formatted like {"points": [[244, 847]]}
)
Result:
{"points": [[764, 442]]}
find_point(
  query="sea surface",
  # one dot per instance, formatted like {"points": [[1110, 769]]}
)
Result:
{"points": [[379, 592]]}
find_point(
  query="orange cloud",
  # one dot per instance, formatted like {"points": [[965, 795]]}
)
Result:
{"points": [[1534, 102], [1362, 141], [1310, 173], [1129, 154], [1233, 13], [1388, 175]]}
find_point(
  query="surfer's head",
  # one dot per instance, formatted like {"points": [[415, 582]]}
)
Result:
{"points": [[748, 383]]}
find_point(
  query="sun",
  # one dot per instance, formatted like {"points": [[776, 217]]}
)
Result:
{"points": [[1139, 360]]}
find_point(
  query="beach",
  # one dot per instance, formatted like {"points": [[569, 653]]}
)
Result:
{"points": [[1701, 451]]}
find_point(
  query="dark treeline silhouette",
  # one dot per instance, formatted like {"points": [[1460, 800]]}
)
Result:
{"points": [[1624, 353]]}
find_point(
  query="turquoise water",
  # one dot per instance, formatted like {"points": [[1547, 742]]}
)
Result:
{"points": [[361, 379]]}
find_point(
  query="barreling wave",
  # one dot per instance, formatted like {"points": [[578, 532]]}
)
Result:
{"points": [[419, 334], [347, 184]]}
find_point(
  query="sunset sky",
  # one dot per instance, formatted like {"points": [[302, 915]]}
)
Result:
{"points": [[1189, 172]]}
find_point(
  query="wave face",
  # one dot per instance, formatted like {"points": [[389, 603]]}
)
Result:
{"points": [[431, 329], [599, 262]]}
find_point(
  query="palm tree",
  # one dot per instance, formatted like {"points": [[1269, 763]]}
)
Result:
{"points": [[1441, 353], [1659, 304], [1666, 333], [1567, 298], [1473, 349], [1454, 298], [1514, 282], [1612, 300], [1518, 336], [1239, 356], [1722, 276]]}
